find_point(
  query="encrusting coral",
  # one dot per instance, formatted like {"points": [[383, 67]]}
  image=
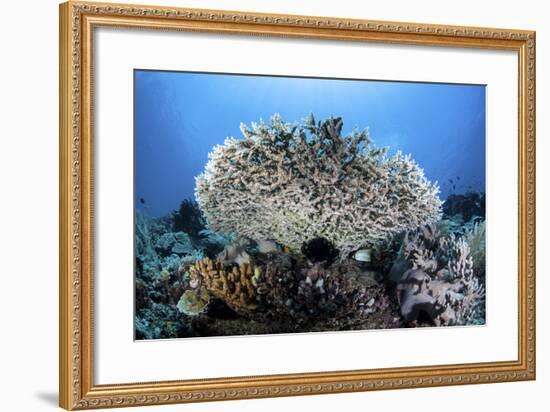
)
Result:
{"points": [[294, 183], [193, 302], [437, 282]]}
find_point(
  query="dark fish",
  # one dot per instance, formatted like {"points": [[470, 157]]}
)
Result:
{"points": [[451, 180], [458, 178], [142, 200], [454, 187]]}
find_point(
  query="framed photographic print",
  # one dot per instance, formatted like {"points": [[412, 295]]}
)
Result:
{"points": [[257, 205]]}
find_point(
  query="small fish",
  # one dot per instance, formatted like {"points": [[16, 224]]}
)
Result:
{"points": [[454, 187], [458, 178], [451, 180], [362, 255], [142, 200], [268, 246], [235, 253]]}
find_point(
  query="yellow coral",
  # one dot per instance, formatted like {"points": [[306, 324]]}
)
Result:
{"points": [[193, 302], [235, 287]]}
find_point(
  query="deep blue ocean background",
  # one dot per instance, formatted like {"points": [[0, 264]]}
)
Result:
{"points": [[180, 116]]}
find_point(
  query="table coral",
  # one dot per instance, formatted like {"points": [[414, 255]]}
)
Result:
{"points": [[294, 183]]}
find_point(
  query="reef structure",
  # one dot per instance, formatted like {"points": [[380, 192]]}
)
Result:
{"points": [[289, 293], [295, 182], [436, 282], [317, 297]]}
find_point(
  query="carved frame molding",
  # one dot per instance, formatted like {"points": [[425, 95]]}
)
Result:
{"points": [[77, 21]]}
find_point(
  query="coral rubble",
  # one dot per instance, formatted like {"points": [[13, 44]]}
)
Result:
{"points": [[294, 183]]}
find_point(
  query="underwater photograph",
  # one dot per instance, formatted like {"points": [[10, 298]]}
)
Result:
{"points": [[278, 204]]}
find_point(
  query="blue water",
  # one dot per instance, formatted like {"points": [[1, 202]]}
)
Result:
{"points": [[180, 116]]}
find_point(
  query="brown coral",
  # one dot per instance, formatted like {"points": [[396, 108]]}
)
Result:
{"points": [[312, 297], [233, 285], [290, 294]]}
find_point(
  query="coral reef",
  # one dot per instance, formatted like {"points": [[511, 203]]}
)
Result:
{"points": [[312, 297], [301, 228], [475, 237], [468, 205], [436, 280], [147, 259], [157, 247], [294, 183], [188, 218], [159, 252], [287, 293], [160, 321], [248, 287], [178, 243]]}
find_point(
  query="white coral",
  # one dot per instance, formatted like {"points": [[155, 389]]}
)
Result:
{"points": [[446, 287], [292, 183]]}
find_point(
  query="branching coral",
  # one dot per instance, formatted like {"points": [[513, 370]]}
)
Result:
{"points": [[475, 236], [293, 183], [438, 281]]}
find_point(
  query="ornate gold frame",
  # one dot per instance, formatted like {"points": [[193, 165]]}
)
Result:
{"points": [[76, 386]]}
